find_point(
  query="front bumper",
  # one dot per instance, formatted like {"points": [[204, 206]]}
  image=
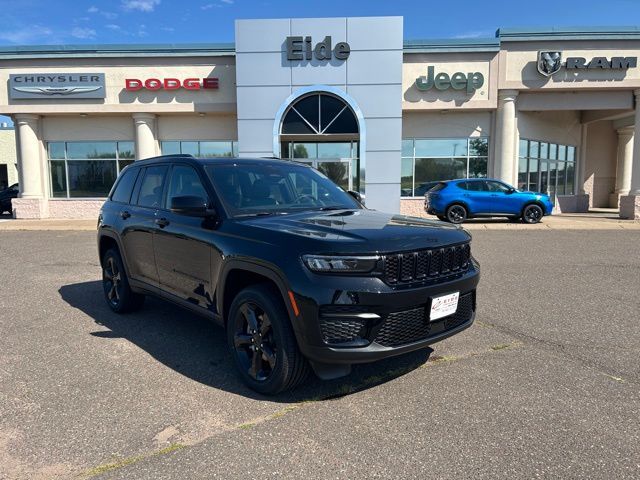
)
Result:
{"points": [[375, 321]]}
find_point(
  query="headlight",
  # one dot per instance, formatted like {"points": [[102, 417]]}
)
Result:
{"points": [[341, 264]]}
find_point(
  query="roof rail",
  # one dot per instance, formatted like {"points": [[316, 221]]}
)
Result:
{"points": [[172, 155]]}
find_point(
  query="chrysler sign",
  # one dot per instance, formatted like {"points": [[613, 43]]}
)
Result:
{"points": [[56, 85]]}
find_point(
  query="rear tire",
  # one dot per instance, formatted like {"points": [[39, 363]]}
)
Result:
{"points": [[115, 285], [456, 213], [532, 214], [262, 342]]}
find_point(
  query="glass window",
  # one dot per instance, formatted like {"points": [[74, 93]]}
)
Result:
{"points": [[151, 189], [476, 186], [478, 147], [86, 169], [533, 175], [441, 147], [496, 187], [90, 178], [269, 188], [522, 174], [434, 169], [185, 181], [170, 148], [216, 149], [561, 178], [190, 148], [544, 150], [124, 187], [553, 151], [91, 150], [478, 167], [56, 150], [570, 174], [523, 148], [562, 152], [58, 178], [407, 147], [126, 150], [406, 177], [334, 150], [534, 149], [444, 159], [305, 150], [319, 113], [571, 153]]}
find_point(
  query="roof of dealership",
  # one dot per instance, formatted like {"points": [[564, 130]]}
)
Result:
{"points": [[410, 46]]}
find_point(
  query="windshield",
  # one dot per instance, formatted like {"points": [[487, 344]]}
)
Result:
{"points": [[248, 189]]}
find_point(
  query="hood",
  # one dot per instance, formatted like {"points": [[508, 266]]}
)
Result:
{"points": [[345, 231]]}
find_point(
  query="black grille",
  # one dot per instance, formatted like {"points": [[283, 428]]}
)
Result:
{"points": [[410, 267], [409, 326], [341, 330]]}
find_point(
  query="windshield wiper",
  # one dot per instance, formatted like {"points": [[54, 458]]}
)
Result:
{"points": [[334, 207]]}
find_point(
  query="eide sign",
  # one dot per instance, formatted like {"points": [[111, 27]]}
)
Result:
{"points": [[301, 48]]}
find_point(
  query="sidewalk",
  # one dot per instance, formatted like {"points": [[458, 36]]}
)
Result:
{"points": [[568, 221]]}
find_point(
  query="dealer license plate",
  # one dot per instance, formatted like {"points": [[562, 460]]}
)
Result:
{"points": [[443, 306]]}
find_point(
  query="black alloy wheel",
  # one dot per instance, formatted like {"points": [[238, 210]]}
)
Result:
{"points": [[254, 342], [262, 342], [112, 279], [532, 214], [115, 285], [456, 213]]}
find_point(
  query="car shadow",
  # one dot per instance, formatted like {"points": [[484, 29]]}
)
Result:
{"points": [[196, 347]]}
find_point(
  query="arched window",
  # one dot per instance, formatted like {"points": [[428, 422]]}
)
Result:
{"points": [[319, 114]]}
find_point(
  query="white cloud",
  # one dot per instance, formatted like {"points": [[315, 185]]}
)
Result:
{"points": [[113, 26], [83, 33], [142, 5], [228, 2], [142, 31], [109, 15], [168, 29], [92, 9], [27, 34], [209, 6], [474, 34]]}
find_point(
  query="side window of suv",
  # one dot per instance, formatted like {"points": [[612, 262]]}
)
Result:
{"points": [[497, 187], [124, 187], [151, 189], [476, 186], [185, 181]]}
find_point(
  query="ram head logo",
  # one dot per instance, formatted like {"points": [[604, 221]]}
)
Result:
{"points": [[549, 62]]}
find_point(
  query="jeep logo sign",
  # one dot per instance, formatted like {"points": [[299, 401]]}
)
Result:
{"points": [[458, 81], [300, 48]]}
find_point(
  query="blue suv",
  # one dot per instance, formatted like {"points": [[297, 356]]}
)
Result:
{"points": [[457, 200]]}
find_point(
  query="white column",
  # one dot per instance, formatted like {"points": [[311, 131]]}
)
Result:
{"points": [[505, 151], [624, 160], [630, 204], [29, 155], [146, 144]]}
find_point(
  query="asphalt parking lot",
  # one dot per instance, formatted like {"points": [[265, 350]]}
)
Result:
{"points": [[545, 384]]}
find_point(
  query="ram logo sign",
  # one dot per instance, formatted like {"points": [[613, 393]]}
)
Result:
{"points": [[551, 62]]}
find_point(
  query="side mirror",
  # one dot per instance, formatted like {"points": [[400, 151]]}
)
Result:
{"points": [[356, 195], [511, 190], [191, 206]]}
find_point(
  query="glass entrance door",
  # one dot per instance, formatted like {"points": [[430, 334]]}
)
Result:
{"points": [[544, 176], [338, 170]]}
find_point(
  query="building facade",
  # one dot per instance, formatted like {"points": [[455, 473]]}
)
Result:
{"points": [[8, 158], [546, 110]]}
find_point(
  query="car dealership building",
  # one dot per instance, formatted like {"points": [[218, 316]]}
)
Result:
{"points": [[549, 110]]}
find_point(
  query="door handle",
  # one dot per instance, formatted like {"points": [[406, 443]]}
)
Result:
{"points": [[124, 214], [466, 195], [162, 222]]}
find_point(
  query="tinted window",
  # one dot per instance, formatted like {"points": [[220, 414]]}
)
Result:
{"points": [[124, 187], [185, 181], [476, 186], [497, 187], [151, 188], [438, 187]]}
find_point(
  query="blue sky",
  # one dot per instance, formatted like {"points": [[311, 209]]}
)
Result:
{"points": [[25, 22]]}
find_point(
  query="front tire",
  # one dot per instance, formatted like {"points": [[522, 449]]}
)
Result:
{"points": [[115, 284], [456, 213], [532, 214], [262, 342]]}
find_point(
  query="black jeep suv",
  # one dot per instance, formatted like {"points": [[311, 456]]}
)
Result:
{"points": [[295, 269]]}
